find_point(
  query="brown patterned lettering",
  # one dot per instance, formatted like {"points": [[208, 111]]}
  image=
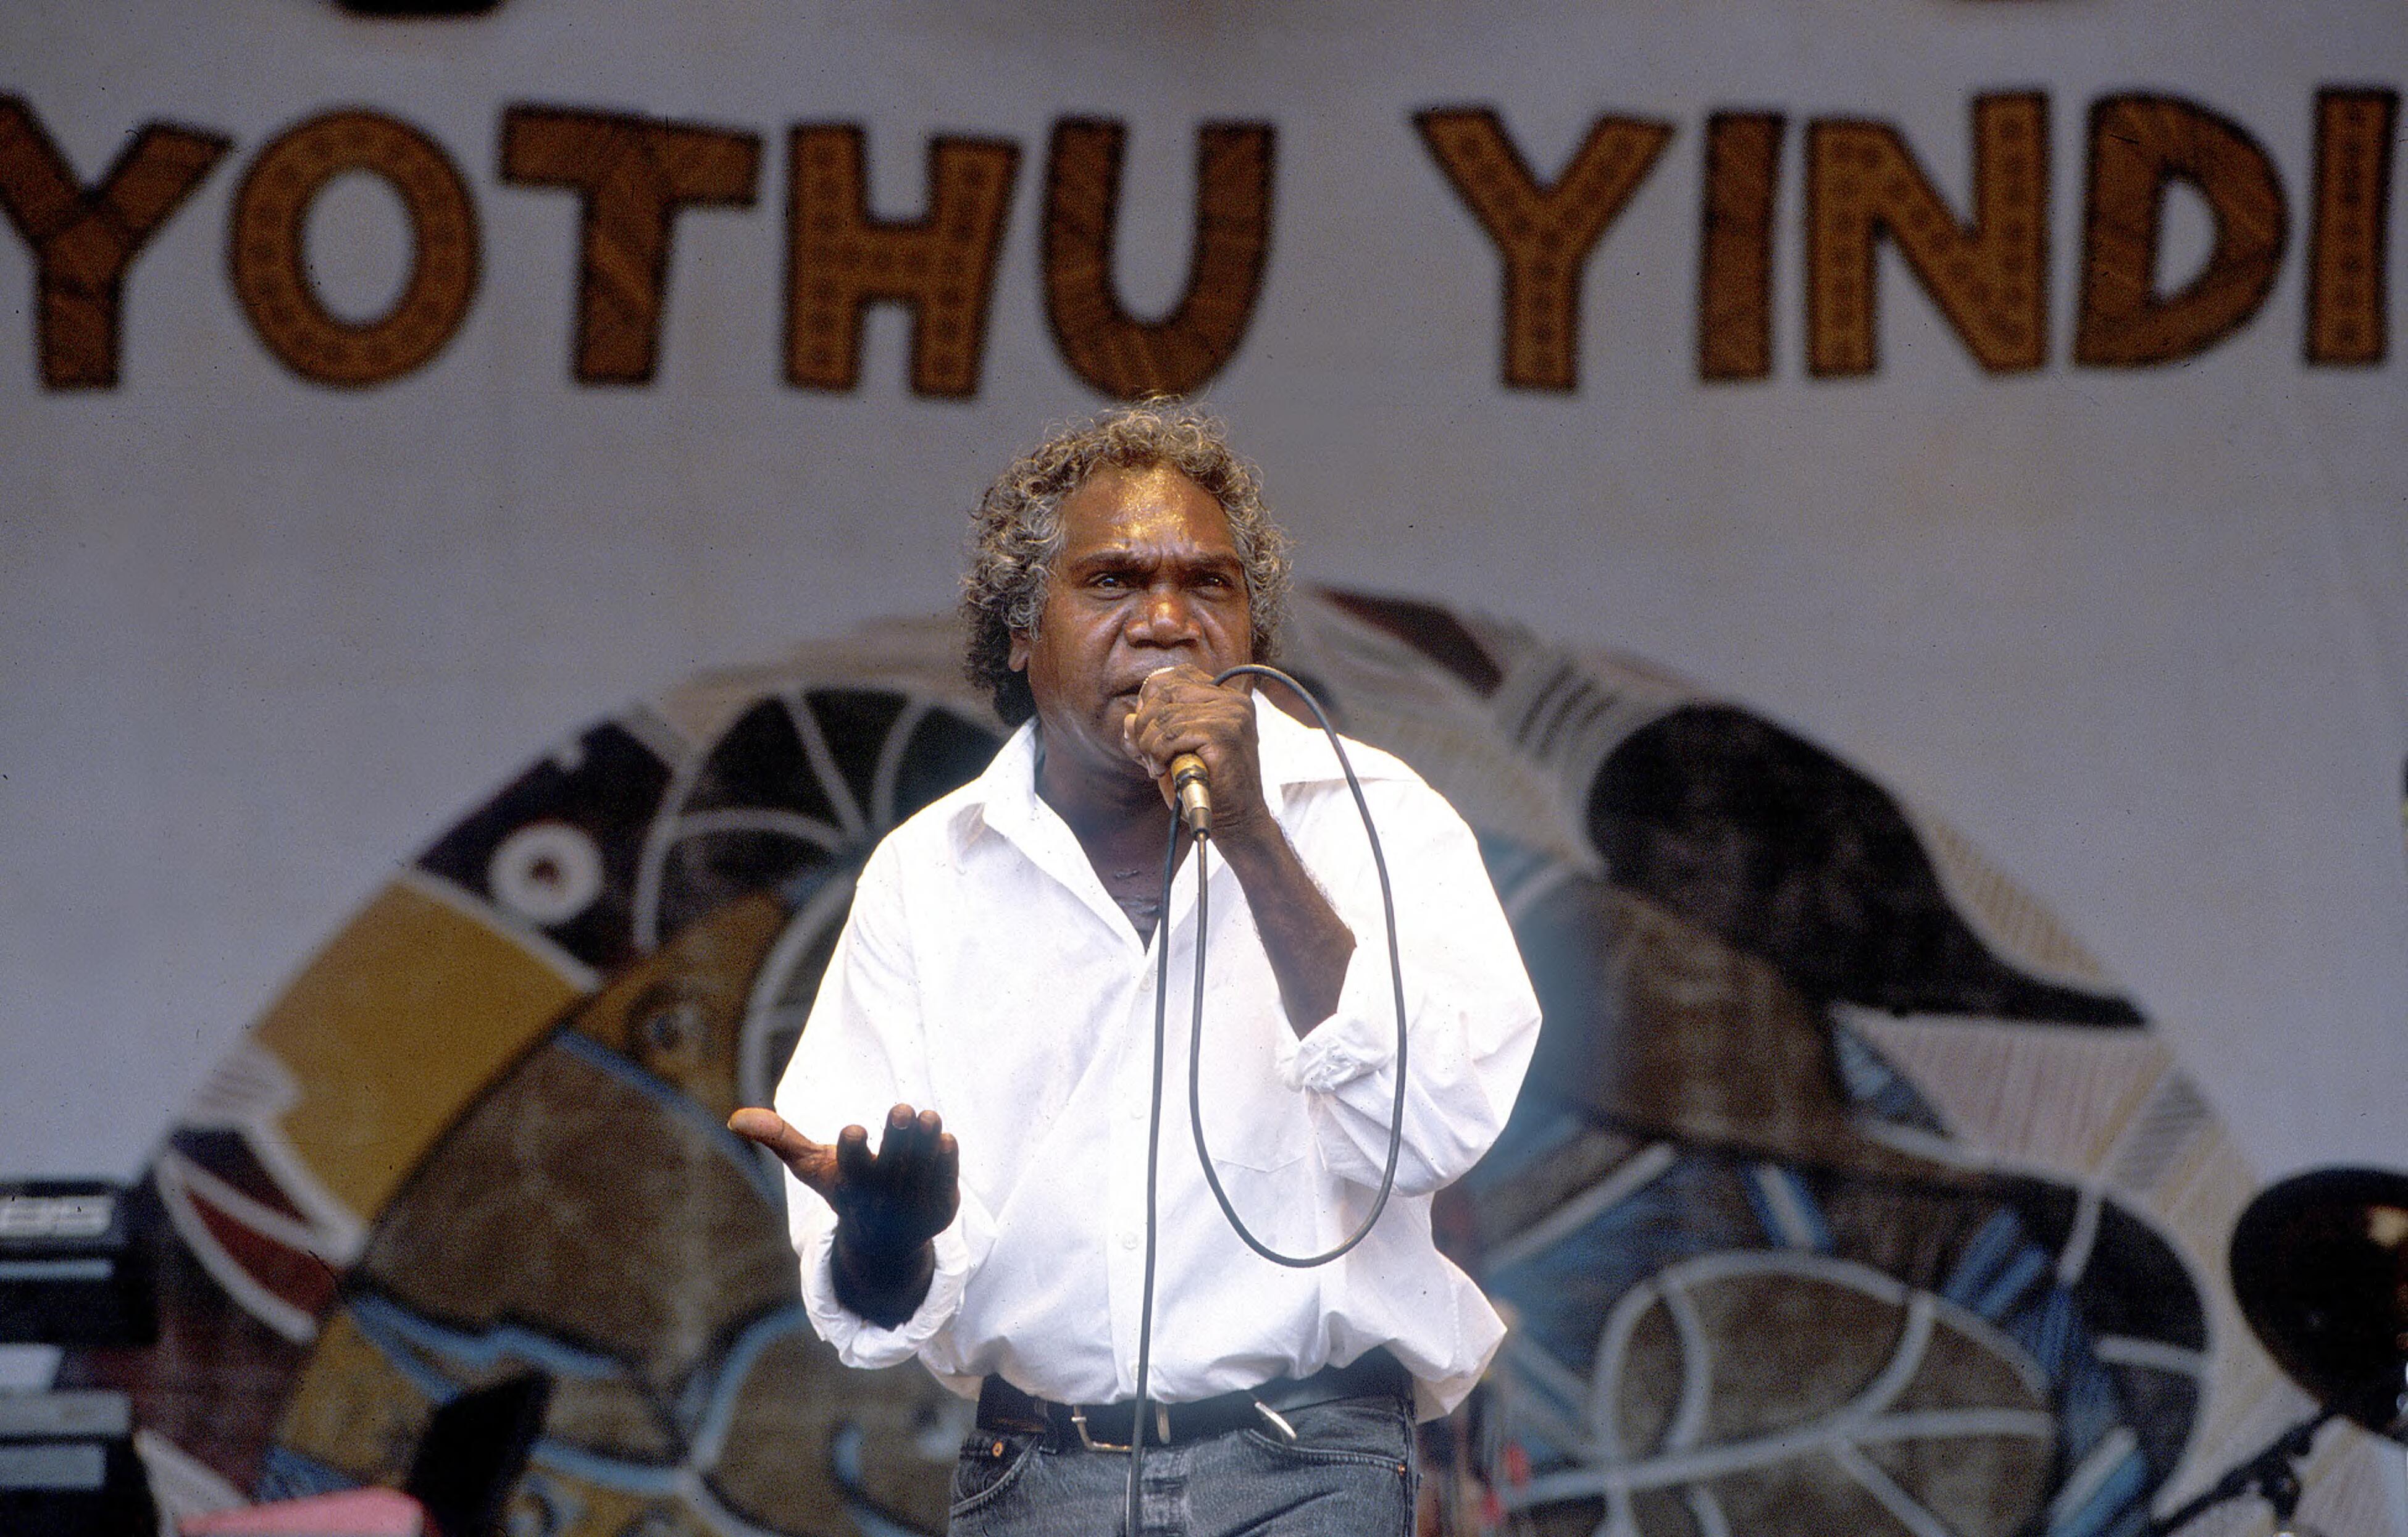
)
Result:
{"points": [[1988, 279], [1543, 234], [1735, 247], [2349, 227], [1118, 354], [2137, 145], [634, 174], [83, 240], [942, 267], [270, 269]]}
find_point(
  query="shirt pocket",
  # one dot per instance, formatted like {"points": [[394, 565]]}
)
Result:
{"points": [[1253, 1122], [1266, 1155], [1263, 1132], [1262, 1158]]}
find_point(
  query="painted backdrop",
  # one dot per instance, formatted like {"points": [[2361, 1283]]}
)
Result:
{"points": [[1886, 513]]}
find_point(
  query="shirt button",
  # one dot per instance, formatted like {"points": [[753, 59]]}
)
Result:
{"points": [[1128, 1240]]}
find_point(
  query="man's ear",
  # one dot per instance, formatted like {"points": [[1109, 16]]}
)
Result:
{"points": [[1018, 659]]}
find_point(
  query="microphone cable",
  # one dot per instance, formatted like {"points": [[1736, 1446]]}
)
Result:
{"points": [[1139, 1414]]}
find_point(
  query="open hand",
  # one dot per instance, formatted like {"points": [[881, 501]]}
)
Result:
{"points": [[888, 1204]]}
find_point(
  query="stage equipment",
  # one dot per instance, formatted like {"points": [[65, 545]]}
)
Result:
{"points": [[2320, 1269], [71, 1273], [70, 1270], [1193, 817], [67, 1467]]}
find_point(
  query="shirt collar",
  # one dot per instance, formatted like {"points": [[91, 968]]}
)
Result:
{"points": [[1293, 756]]}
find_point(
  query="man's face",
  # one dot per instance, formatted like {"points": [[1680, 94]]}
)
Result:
{"points": [[1147, 577]]}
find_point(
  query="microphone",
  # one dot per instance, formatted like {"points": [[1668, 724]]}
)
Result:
{"points": [[1187, 781]]}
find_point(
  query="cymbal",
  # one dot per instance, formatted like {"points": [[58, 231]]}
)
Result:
{"points": [[2320, 1269]]}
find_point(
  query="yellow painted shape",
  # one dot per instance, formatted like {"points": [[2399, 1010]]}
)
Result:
{"points": [[392, 1029], [353, 1410], [551, 1501], [697, 986]]}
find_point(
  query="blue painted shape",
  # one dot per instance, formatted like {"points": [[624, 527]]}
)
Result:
{"points": [[1765, 1184], [2113, 1499], [286, 1475], [2027, 1266], [1992, 1246]]}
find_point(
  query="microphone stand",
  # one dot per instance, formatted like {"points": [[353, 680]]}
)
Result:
{"points": [[2271, 1474]]}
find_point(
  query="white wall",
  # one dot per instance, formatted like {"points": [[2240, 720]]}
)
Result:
{"points": [[2144, 636]]}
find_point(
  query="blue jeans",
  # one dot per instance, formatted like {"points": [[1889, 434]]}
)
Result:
{"points": [[1351, 1472]]}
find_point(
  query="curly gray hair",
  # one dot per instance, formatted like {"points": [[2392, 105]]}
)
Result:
{"points": [[1016, 531]]}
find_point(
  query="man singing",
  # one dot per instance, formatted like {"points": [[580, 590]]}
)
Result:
{"points": [[994, 985]]}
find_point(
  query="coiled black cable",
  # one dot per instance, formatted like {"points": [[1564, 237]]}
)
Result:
{"points": [[1195, 1071]]}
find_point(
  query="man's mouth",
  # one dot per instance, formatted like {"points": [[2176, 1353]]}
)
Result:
{"points": [[1135, 685]]}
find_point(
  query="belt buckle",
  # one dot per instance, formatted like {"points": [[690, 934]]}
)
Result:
{"points": [[1161, 1430], [1079, 1423]]}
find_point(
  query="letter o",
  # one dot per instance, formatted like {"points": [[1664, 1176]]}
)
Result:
{"points": [[271, 276]]}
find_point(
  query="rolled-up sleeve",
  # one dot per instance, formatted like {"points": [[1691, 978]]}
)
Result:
{"points": [[857, 1341], [863, 1051], [1472, 1019]]}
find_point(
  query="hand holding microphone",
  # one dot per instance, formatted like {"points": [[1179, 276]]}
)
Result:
{"points": [[1196, 738]]}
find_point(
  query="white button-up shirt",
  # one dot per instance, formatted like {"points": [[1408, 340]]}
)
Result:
{"points": [[986, 973]]}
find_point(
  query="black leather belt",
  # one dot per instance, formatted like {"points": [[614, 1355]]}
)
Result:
{"points": [[1005, 1410]]}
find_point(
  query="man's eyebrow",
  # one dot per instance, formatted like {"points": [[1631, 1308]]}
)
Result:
{"points": [[1122, 555]]}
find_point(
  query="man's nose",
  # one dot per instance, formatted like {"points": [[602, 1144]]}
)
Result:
{"points": [[1166, 618]]}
